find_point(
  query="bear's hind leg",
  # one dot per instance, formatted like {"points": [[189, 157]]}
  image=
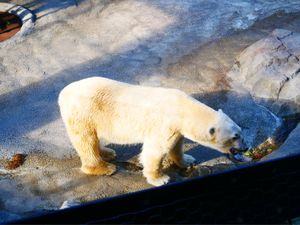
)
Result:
{"points": [[87, 146], [178, 157]]}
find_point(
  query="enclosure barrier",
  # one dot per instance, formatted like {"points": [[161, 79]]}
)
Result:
{"points": [[266, 192]]}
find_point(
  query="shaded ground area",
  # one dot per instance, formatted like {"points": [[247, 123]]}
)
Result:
{"points": [[180, 44]]}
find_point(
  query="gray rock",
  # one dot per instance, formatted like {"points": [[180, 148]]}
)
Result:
{"points": [[289, 148], [270, 70]]}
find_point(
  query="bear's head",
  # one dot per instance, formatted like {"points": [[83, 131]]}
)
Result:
{"points": [[225, 135]]}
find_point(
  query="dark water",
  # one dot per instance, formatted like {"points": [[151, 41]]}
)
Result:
{"points": [[289, 123]]}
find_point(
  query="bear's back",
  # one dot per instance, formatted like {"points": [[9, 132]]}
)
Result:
{"points": [[105, 90]]}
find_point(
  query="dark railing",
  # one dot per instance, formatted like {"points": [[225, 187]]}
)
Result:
{"points": [[262, 193]]}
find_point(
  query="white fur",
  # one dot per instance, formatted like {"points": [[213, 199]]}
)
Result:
{"points": [[126, 114]]}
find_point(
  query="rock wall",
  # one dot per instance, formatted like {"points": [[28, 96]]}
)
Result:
{"points": [[270, 70]]}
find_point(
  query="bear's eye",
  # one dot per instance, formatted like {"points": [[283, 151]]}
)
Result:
{"points": [[236, 137], [212, 131]]}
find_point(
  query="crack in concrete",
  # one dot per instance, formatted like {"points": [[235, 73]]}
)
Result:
{"points": [[280, 38], [286, 77]]}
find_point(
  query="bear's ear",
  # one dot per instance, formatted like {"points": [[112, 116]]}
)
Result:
{"points": [[212, 131], [220, 114]]}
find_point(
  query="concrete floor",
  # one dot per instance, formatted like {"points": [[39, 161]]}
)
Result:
{"points": [[183, 44]]}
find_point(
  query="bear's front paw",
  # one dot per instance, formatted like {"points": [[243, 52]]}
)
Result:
{"points": [[101, 169], [188, 160], [158, 181]]}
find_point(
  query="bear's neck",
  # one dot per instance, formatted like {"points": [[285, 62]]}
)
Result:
{"points": [[197, 120]]}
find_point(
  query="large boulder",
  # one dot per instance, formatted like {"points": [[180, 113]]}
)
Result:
{"points": [[270, 70]]}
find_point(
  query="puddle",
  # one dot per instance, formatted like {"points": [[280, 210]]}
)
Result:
{"points": [[289, 123], [15, 22], [10, 24]]}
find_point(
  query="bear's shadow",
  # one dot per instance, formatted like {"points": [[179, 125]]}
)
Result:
{"points": [[129, 153], [202, 153]]}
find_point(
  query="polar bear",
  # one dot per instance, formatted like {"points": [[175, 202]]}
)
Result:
{"points": [[97, 108]]}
